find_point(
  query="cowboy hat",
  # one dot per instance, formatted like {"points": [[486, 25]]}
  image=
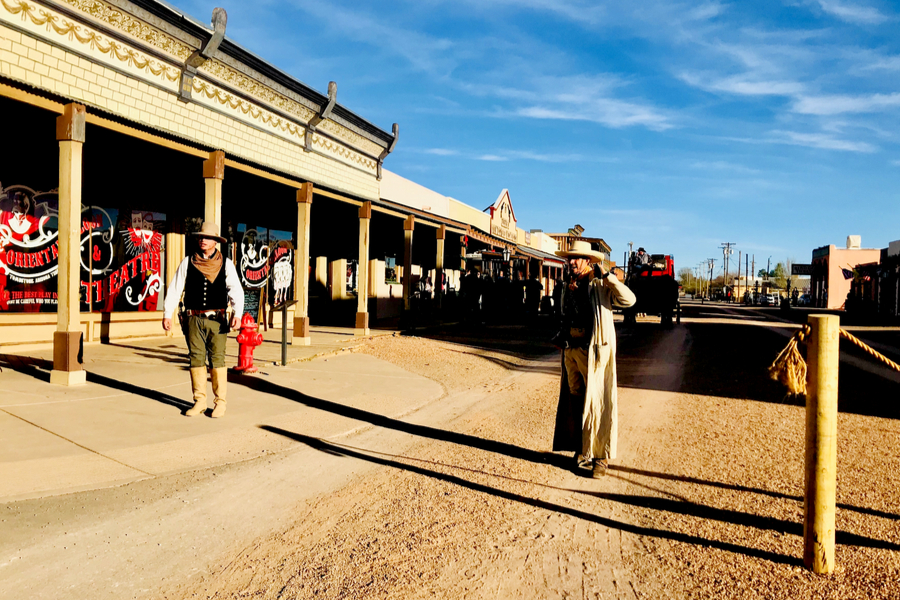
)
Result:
{"points": [[582, 249], [211, 231]]}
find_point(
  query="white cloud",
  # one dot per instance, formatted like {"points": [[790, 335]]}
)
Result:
{"points": [[424, 52], [721, 165], [896, 163], [820, 140], [441, 152], [492, 158], [586, 13], [544, 157], [851, 12], [838, 104], [743, 85]]}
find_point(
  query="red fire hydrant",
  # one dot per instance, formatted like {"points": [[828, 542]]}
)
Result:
{"points": [[248, 339]]}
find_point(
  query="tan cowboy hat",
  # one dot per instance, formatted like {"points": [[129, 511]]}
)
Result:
{"points": [[211, 231], [582, 249]]}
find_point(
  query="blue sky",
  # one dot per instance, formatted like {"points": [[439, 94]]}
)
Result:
{"points": [[678, 126]]}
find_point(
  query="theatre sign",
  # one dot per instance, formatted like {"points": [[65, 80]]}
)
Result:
{"points": [[503, 219]]}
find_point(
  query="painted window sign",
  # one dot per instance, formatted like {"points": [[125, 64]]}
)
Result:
{"points": [[125, 260], [29, 250], [253, 257], [120, 257], [265, 259]]}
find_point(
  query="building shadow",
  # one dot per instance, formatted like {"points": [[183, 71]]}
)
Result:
{"points": [[525, 341], [335, 450], [37, 368], [377, 420], [731, 360], [741, 488], [139, 391], [550, 365]]}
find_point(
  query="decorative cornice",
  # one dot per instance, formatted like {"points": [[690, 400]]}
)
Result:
{"points": [[357, 140], [138, 29], [74, 31], [243, 83], [267, 118], [152, 36]]}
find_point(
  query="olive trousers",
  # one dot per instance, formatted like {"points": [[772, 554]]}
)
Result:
{"points": [[206, 341]]}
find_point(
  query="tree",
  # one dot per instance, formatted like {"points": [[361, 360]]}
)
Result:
{"points": [[762, 274], [687, 279], [780, 275]]}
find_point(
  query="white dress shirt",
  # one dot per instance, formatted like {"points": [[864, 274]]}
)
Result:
{"points": [[232, 284]]}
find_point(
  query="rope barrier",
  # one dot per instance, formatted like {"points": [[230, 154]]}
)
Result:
{"points": [[789, 368], [866, 348]]}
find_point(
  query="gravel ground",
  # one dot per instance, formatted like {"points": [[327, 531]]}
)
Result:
{"points": [[705, 501], [730, 470]]}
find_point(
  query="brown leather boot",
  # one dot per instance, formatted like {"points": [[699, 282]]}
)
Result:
{"points": [[198, 383], [220, 387]]}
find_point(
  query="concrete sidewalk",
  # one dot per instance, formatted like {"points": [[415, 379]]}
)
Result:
{"points": [[126, 423]]}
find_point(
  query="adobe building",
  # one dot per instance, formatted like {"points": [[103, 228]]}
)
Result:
{"points": [[832, 272], [128, 123]]}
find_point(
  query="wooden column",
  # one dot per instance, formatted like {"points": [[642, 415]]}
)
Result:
{"points": [[362, 275], [213, 174], [441, 237], [408, 226], [67, 369], [301, 266]]}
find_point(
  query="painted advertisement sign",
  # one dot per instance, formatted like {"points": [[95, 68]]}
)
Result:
{"points": [[120, 258], [265, 261]]}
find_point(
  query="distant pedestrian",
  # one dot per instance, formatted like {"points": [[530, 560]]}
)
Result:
{"points": [[586, 419], [534, 290], [210, 283]]}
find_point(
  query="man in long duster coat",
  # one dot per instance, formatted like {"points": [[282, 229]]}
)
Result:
{"points": [[586, 419]]}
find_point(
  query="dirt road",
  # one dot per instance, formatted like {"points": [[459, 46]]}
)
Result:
{"points": [[460, 498]]}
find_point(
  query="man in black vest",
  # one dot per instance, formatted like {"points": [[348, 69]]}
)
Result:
{"points": [[210, 283]]}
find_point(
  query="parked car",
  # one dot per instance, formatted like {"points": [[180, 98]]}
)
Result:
{"points": [[774, 299], [803, 300]]}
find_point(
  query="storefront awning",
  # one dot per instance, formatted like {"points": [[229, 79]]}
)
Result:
{"points": [[541, 255]]}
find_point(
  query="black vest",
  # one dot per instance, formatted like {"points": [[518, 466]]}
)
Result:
{"points": [[200, 294]]}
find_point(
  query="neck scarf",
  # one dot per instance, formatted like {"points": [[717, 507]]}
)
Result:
{"points": [[210, 267]]}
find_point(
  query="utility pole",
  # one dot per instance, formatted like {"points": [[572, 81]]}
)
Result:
{"points": [[628, 259], [712, 263], [726, 251], [746, 272], [738, 295]]}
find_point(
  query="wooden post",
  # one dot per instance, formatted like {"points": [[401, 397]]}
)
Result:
{"points": [[301, 267], [823, 357], [67, 342], [441, 236], [408, 226], [213, 174], [362, 274], [337, 279], [462, 258], [174, 256]]}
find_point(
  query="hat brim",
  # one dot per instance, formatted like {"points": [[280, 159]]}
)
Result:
{"points": [[593, 256], [218, 238]]}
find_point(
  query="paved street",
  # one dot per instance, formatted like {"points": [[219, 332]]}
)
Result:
{"points": [[405, 467]]}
